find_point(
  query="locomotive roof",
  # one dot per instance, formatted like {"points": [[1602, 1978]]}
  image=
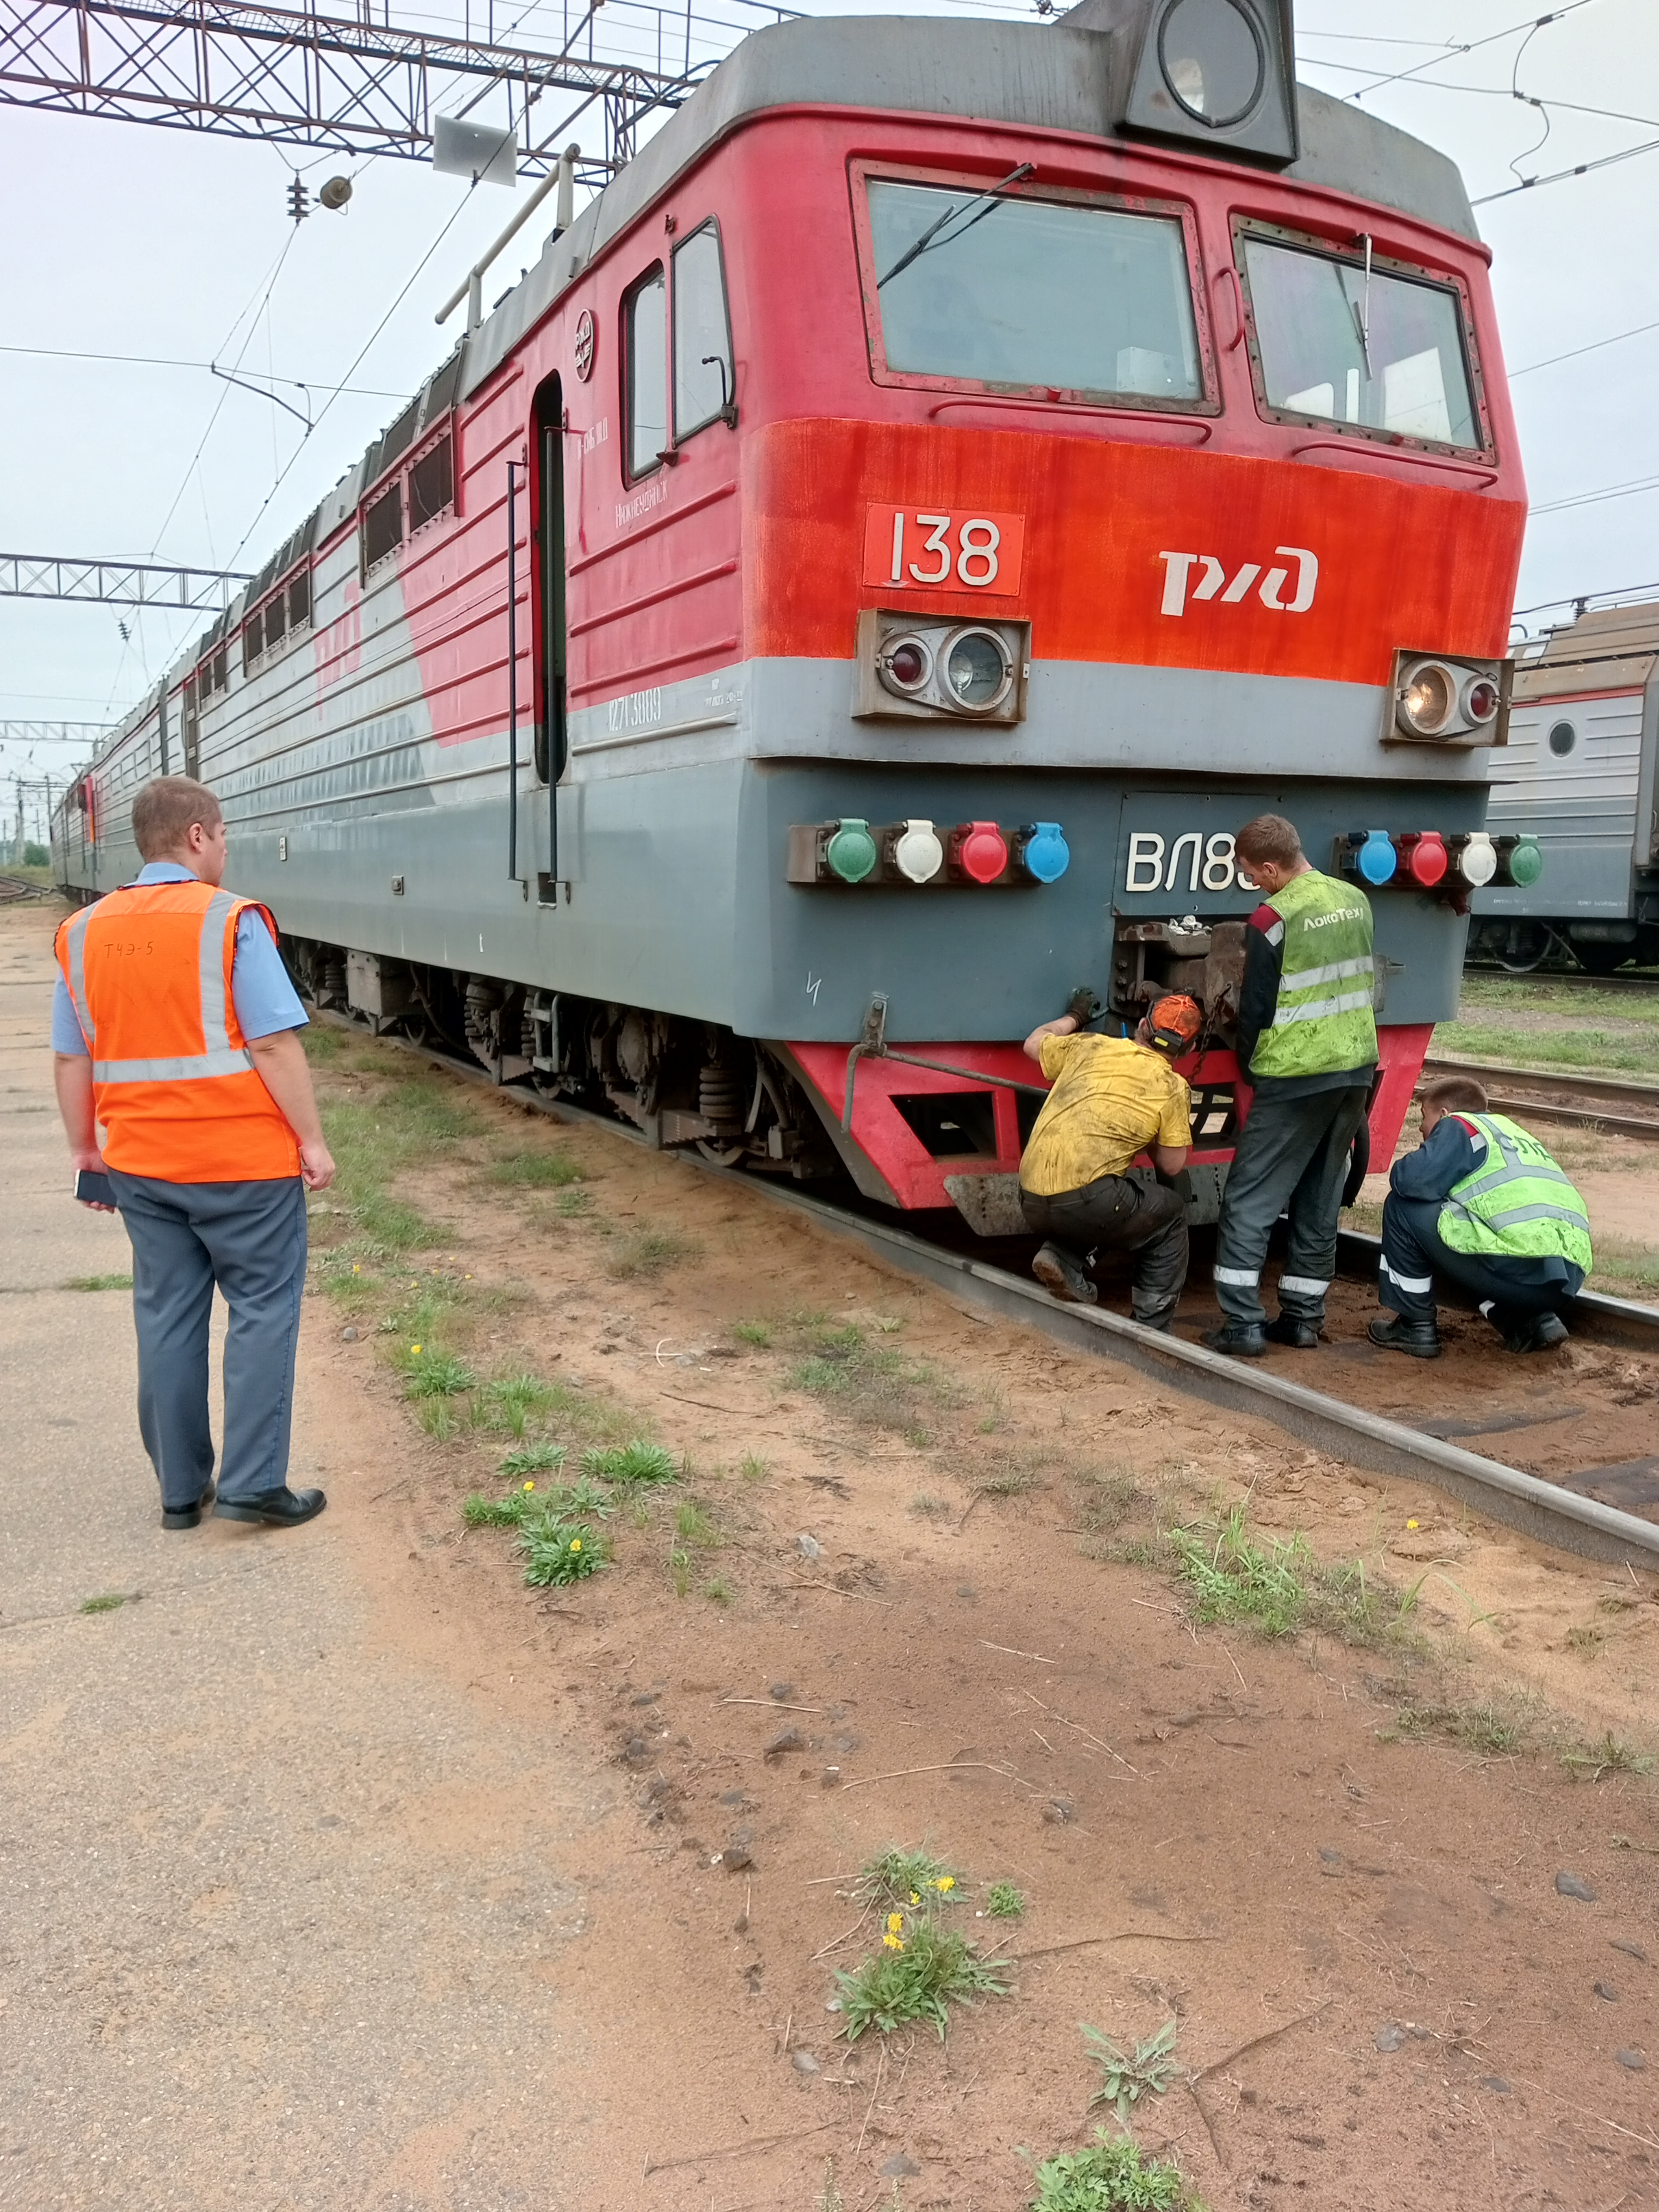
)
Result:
{"points": [[1614, 649], [1021, 75]]}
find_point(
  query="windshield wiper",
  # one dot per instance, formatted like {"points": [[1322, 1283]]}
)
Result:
{"points": [[985, 202]]}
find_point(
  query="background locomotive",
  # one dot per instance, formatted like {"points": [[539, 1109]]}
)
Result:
{"points": [[1580, 771], [848, 593]]}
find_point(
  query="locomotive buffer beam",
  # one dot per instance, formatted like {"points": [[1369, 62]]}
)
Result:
{"points": [[872, 1045]]}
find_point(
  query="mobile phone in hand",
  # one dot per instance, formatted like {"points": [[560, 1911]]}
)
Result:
{"points": [[93, 1188]]}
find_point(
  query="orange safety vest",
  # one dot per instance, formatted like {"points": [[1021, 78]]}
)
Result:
{"points": [[148, 968]]}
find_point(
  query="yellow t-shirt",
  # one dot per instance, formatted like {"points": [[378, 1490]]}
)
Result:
{"points": [[1111, 1099]]}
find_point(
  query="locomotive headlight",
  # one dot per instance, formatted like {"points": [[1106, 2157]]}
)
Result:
{"points": [[904, 666], [1428, 698], [978, 672]]}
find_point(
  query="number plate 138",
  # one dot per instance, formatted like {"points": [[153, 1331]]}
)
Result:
{"points": [[908, 550]]}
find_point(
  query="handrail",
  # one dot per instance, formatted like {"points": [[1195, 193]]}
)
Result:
{"points": [[1487, 476]]}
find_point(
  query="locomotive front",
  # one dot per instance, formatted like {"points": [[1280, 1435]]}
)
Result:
{"points": [[1158, 478]]}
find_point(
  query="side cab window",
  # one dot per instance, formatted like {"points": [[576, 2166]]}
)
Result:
{"points": [[695, 326]]}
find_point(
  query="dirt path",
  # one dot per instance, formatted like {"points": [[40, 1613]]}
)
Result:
{"points": [[344, 1870]]}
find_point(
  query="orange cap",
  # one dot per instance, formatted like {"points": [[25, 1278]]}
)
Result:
{"points": [[1176, 1021]]}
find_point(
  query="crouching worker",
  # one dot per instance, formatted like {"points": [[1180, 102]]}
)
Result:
{"points": [[1112, 1098], [1483, 1203]]}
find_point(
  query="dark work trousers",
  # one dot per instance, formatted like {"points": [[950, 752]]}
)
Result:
{"points": [[1510, 1293], [1293, 1152], [250, 1239], [1116, 1215]]}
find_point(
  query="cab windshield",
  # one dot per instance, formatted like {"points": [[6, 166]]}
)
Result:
{"points": [[1379, 350], [1020, 293]]}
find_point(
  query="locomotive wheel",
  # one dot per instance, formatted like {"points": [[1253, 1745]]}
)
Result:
{"points": [[723, 1155], [1521, 950]]}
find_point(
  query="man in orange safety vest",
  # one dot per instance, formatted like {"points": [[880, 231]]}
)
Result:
{"points": [[175, 1026]]}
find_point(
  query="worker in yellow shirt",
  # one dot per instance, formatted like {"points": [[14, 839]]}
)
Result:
{"points": [[1112, 1098]]}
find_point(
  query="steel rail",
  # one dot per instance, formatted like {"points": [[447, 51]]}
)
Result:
{"points": [[1523, 1501], [1550, 1093], [1580, 978]]}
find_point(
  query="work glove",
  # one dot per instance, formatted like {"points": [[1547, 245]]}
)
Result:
{"points": [[1083, 1007]]}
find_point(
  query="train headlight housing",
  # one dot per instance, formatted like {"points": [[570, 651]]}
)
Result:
{"points": [[979, 671], [928, 668], [1449, 701]]}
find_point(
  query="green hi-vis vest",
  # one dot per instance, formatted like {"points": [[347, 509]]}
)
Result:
{"points": [[1323, 1022], [1518, 1204]]}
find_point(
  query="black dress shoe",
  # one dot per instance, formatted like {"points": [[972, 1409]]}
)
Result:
{"points": [[1288, 1328], [188, 1516], [279, 1509], [1398, 1332], [1238, 1340]]}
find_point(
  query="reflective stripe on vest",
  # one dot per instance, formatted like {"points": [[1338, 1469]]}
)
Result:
{"points": [[1317, 1029], [1516, 1203]]}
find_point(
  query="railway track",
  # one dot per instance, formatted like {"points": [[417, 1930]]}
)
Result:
{"points": [[18, 888], [1579, 978], [1573, 1519], [1624, 1110]]}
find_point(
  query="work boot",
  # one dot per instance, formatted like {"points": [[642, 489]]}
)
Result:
{"points": [[1412, 1332], [1238, 1340], [1539, 1334], [1291, 1329], [188, 1516], [1061, 1275]]}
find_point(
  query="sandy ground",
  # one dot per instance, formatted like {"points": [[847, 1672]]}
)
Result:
{"points": [[344, 1871]]}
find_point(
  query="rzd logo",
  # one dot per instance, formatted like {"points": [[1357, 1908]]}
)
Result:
{"points": [[1178, 568]]}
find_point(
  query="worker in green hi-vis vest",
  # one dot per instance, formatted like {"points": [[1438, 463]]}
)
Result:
{"points": [[1481, 1203], [1307, 1045]]}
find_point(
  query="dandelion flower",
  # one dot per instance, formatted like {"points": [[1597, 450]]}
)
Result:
{"points": [[894, 1942], [916, 1896], [945, 1881], [1412, 1524], [530, 1486], [356, 1269], [414, 1347], [575, 1543], [896, 1923]]}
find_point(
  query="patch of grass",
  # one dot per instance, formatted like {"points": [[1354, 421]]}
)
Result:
{"points": [[535, 1170], [1612, 1755], [571, 1203], [106, 1602], [1492, 1729], [693, 1526], [1014, 1478], [719, 1592], [99, 1283], [437, 1417], [757, 1332], [510, 1404], [922, 1970], [431, 1373], [545, 1458], [897, 1877], [875, 1383], [753, 1468], [374, 1140], [1588, 1640], [1107, 1497], [560, 1552], [930, 1509], [1110, 2176], [1003, 1901], [1629, 1041], [1279, 1586], [650, 1252], [1127, 2076], [1624, 1269], [635, 1462]]}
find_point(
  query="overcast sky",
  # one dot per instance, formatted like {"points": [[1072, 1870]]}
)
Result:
{"points": [[122, 239]]}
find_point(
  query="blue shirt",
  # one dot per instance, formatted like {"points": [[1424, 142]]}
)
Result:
{"points": [[1449, 1151], [265, 999]]}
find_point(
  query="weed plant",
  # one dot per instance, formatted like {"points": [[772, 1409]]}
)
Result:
{"points": [[1127, 2076], [1278, 1586], [757, 1332], [106, 1602], [99, 1283], [649, 1252], [430, 1373], [559, 1551], [922, 1970], [544, 1458], [1612, 1755], [904, 1879], [754, 1468], [1493, 1731], [875, 1383], [1110, 2176], [1004, 1902], [635, 1462]]}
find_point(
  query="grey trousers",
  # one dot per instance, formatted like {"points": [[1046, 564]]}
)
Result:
{"points": [[250, 1239], [1511, 1292], [1293, 1154], [1117, 1215]]}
